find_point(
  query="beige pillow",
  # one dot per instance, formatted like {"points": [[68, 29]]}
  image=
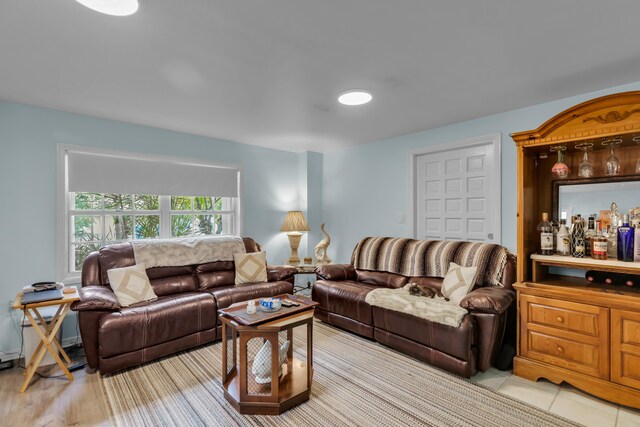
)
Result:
{"points": [[250, 267], [131, 284], [458, 282]]}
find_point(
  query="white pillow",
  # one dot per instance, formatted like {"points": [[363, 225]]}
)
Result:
{"points": [[131, 284], [458, 282], [250, 267]]}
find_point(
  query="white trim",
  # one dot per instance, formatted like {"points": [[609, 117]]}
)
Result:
{"points": [[62, 219], [63, 204], [493, 139]]}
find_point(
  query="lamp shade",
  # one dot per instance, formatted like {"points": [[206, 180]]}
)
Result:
{"points": [[294, 222]]}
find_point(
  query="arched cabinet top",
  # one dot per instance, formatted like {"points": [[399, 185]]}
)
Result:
{"points": [[609, 115]]}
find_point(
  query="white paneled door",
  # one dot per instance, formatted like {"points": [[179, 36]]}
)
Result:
{"points": [[456, 191]]}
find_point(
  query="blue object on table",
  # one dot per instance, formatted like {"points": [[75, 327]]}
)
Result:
{"points": [[270, 304]]}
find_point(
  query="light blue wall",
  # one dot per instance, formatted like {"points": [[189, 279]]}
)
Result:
{"points": [[28, 141], [358, 191], [366, 187]]}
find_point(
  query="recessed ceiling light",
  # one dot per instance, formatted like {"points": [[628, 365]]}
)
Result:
{"points": [[354, 97], [112, 7]]}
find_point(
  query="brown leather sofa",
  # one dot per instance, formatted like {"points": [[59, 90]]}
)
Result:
{"points": [[184, 315], [341, 290]]}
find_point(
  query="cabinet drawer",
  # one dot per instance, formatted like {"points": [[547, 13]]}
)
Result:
{"points": [[568, 316], [590, 359], [565, 334], [625, 347]]}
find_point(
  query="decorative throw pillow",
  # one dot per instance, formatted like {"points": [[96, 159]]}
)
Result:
{"points": [[458, 282], [250, 267], [131, 284]]}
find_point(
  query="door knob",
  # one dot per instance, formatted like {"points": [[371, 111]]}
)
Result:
{"points": [[490, 236]]}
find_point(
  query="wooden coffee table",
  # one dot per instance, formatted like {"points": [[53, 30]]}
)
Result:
{"points": [[243, 338]]}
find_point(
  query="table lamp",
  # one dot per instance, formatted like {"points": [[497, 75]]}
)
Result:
{"points": [[294, 224]]}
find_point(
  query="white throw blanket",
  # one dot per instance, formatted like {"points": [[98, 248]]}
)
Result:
{"points": [[435, 309], [186, 250]]}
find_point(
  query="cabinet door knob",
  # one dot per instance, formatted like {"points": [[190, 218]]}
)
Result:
{"points": [[560, 350], [559, 319]]}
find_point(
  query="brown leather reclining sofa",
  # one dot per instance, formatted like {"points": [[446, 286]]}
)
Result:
{"points": [[341, 290], [184, 315]]}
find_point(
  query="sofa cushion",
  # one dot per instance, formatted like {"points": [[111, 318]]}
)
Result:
{"points": [[164, 272], [411, 257], [454, 341], [336, 272], [381, 278], [115, 256], [216, 279], [227, 295], [458, 282], [151, 323], [215, 274], [131, 285], [346, 298], [250, 268], [174, 285]]}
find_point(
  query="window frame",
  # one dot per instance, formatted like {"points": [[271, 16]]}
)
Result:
{"points": [[64, 210]]}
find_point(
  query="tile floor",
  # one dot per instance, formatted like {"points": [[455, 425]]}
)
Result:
{"points": [[563, 400]]}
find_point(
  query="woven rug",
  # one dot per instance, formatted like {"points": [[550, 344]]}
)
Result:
{"points": [[356, 383]]}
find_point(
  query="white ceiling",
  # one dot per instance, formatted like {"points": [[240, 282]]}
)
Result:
{"points": [[268, 72]]}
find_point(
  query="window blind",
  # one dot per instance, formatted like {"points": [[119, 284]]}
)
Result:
{"points": [[119, 173]]}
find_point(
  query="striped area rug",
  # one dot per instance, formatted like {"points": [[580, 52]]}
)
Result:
{"points": [[356, 383]]}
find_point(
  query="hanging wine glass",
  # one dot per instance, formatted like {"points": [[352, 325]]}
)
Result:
{"points": [[560, 170], [636, 139], [585, 170], [612, 165]]}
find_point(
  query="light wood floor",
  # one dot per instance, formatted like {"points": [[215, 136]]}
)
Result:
{"points": [[51, 401], [58, 402]]}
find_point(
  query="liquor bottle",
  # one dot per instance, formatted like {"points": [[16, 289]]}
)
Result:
{"points": [[577, 238], [612, 240], [591, 232], [598, 245], [625, 240], [574, 218], [555, 225], [546, 235], [563, 245]]}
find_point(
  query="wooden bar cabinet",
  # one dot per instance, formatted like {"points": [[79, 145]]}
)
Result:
{"points": [[571, 330]]}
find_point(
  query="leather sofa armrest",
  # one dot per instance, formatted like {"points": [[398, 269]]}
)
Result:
{"points": [[96, 298], [488, 300], [280, 272], [336, 272]]}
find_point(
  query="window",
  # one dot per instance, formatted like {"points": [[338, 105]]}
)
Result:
{"points": [[97, 218]]}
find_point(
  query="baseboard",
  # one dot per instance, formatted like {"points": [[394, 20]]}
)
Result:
{"points": [[69, 341]]}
